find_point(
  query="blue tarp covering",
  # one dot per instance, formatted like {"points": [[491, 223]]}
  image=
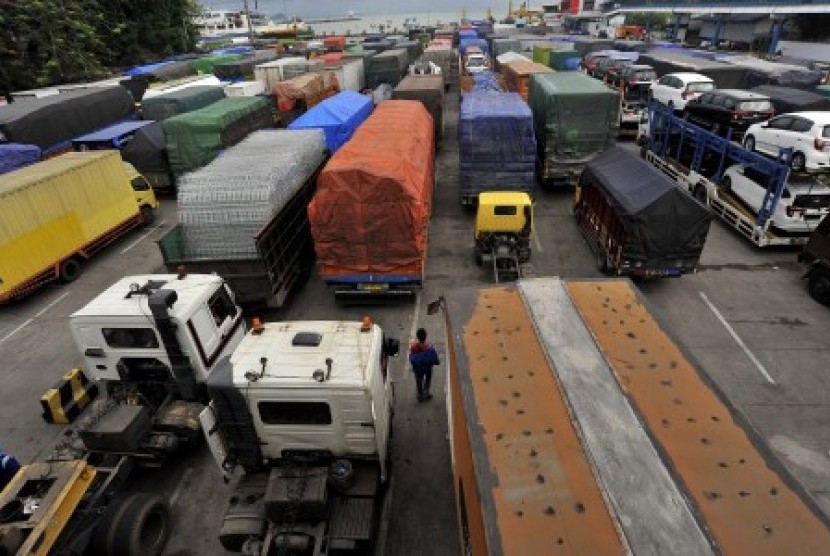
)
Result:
{"points": [[113, 137], [467, 34], [338, 116], [496, 144], [16, 155], [148, 68], [465, 43], [232, 50], [485, 81]]}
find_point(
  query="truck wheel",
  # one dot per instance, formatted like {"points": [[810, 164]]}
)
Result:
{"points": [[726, 184], [602, 262], [70, 270], [147, 215], [749, 143], [142, 528], [819, 286], [701, 195]]}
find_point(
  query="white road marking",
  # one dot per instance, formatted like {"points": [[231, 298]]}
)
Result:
{"points": [[29, 321], [737, 339], [143, 237], [537, 242], [182, 482]]}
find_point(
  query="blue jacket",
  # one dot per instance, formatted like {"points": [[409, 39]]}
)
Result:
{"points": [[8, 469], [424, 360]]}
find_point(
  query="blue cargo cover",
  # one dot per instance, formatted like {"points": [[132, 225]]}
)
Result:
{"points": [[338, 116], [112, 137], [148, 68], [17, 155]]}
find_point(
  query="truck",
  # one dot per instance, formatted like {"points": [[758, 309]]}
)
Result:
{"points": [[504, 224], [496, 145], [815, 256], [244, 216], [575, 118], [577, 421], [304, 410], [517, 76], [370, 214], [151, 342], [696, 159], [57, 213], [648, 230]]}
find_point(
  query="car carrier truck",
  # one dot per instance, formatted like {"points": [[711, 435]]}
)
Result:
{"points": [[577, 424], [696, 160], [56, 214], [150, 342], [304, 409]]}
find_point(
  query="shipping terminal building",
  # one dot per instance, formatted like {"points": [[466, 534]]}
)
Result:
{"points": [[748, 22]]}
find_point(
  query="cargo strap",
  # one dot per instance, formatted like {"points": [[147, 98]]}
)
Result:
{"points": [[71, 394]]}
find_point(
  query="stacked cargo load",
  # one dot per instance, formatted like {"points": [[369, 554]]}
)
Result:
{"points": [[296, 95], [584, 45], [53, 121], [207, 64], [496, 145], [348, 73], [244, 67], [170, 70], [167, 105], [387, 67], [270, 73], [429, 89], [764, 72], [668, 60], [157, 89], [504, 45], [413, 50], [338, 116], [443, 56], [787, 99], [378, 46], [575, 118], [195, 138], [370, 215], [517, 76], [244, 216], [147, 152]]}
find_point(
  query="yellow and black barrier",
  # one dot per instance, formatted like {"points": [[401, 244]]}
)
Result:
{"points": [[71, 394]]}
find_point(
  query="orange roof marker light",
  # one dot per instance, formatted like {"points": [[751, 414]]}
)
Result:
{"points": [[256, 325]]}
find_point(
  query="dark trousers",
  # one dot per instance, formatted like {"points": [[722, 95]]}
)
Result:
{"points": [[423, 378]]}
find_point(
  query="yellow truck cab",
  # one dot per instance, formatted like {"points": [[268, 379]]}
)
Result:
{"points": [[503, 211], [144, 194], [504, 225]]}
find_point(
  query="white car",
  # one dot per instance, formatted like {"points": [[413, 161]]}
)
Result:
{"points": [[807, 133], [802, 205], [676, 89]]}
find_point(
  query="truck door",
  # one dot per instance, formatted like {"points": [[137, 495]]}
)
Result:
{"points": [[213, 326], [381, 412]]}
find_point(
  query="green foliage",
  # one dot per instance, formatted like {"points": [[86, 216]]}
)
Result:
{"points": [[48, 42], [656, 20]]}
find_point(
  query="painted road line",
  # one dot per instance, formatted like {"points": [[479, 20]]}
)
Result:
{"points": [[29, 321], [737, 339], [143, 237]]}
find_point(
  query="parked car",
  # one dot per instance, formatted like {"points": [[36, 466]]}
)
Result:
{"points": [[807, 133], [635, 75], [607, 68], [733, 109], [676, 89], [804, 202], [589, 63]]}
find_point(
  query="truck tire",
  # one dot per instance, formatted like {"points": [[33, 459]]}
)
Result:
{"points": [[141, 527], [799, 162], [701, 194], [819, 286], [726, 184], [70, 269], [749, 143], [148, 215]]}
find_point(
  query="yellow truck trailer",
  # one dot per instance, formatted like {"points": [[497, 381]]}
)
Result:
{"points": [[579, 426], [57, 213]]}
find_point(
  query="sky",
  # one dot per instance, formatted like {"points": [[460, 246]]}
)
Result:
{"points": [[323, 8]]}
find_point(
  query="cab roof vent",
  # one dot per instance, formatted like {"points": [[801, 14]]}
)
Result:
{"points": [[307, 339]]}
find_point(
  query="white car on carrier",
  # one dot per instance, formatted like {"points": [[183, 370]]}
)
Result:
{"points": [[803, 203], [806, 133], [676, 89]]}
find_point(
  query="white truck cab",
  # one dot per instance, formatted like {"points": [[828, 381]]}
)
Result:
{"points": [[158, 328]]}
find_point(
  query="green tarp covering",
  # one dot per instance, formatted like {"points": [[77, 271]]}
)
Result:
{"points": [[171, 104], [575, 116], [206, 64], [195, 138]]}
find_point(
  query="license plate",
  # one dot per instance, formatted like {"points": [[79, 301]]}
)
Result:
{"points": [[372, 287]]}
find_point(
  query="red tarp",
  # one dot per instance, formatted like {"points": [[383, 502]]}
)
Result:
{"points": [[331, 57], [371, 211], [335, 42]]}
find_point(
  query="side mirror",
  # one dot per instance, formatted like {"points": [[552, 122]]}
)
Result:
{"points": [[391, 347]]}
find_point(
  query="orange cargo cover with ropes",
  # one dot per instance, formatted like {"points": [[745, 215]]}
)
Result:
{"points": [[370, 214]]}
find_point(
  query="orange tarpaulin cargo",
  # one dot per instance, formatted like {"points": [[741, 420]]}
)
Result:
{"points": [[336, 42], [371, 210]]}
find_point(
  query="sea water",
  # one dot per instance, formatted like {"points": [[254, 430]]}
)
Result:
{"points": [[389, 23]]}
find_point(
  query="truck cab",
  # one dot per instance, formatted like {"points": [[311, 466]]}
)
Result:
{"points": [[158, 328], [303, 405], [504, 225], [145, 197]]}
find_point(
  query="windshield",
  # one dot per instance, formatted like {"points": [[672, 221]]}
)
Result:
{"points": [[475, 62], [755, 106], [646, 75], [700, 87], [826, 131]]}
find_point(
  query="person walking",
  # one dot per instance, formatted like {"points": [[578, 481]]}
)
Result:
{"points": [[422, 357]]}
